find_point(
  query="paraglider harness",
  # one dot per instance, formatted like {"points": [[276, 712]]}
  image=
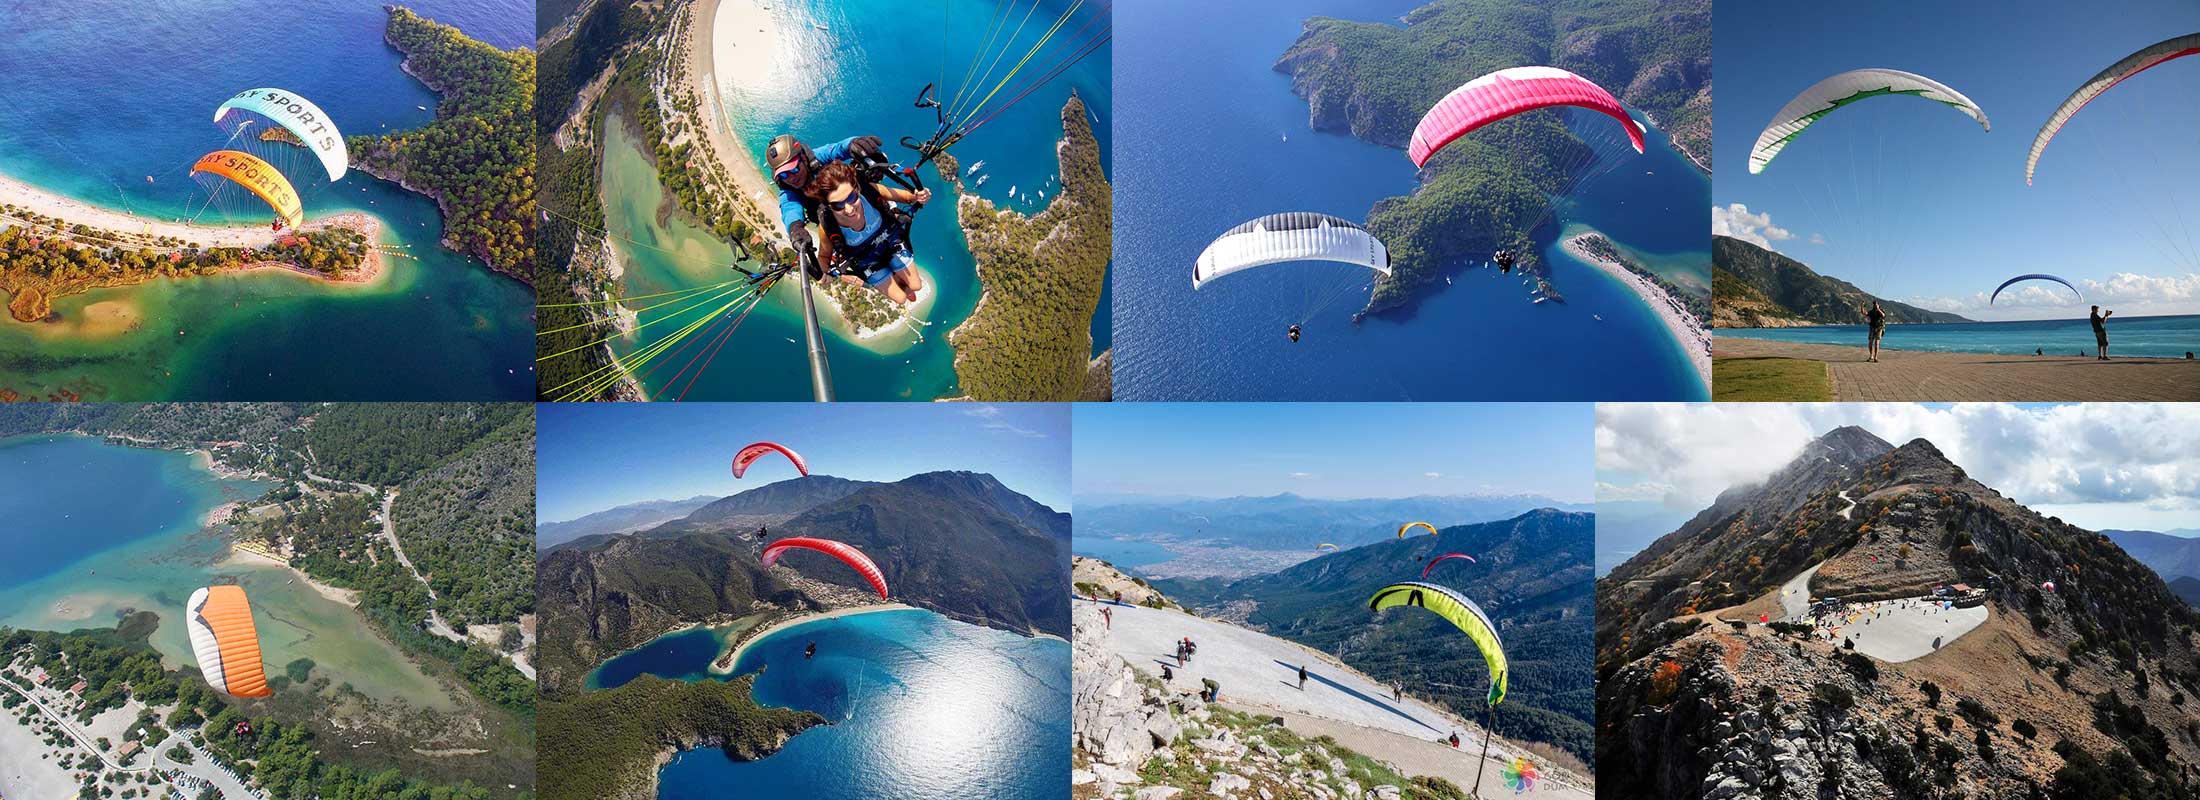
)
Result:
{"points": [[878, 253]]}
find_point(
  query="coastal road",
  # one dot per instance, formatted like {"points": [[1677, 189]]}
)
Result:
{"points": [[1259, 673], [1923, 376]]}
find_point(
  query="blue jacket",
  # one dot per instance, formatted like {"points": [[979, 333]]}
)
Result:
{"points": [[793, 207]]}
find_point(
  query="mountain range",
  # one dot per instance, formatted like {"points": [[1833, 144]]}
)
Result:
{"points": [[958, 543], [2078, 681], [618, 519], [1291, 522], [1752, 287], [1530, 573]]}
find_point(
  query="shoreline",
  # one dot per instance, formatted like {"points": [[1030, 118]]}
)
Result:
{"points": [[733, 658], [1687, 331], [241, 557]]}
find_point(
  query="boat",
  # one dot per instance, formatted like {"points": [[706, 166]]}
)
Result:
{"points": [[1447, 280], [973, 170], [818, 25], [1287, 137], [423, 108], [1042, 194], [1012, 191], [982, 179], [1597, 317], [1541, 299]]}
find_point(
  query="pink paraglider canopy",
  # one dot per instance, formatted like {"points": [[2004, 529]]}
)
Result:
{"points": [[1507, 92], [751, 453], [1432, 562], [841, 550]]}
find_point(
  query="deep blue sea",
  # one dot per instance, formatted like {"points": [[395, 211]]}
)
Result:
{"points": [[922, 708], [1123, 553], [67, 494], [1209, 135], [681, 656], [2161, 337], [855, 67], [103, 93]]}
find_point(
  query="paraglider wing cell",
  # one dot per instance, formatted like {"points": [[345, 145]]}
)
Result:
{"points": [[847, 554], [1838, 92], [2133, 64], [300, 116], [2034, 277], [1458, 610], [1286, 237], [1432, 561], [224, 641], [1411, 525], [259, 177], [751, 453], [1507, 92]]}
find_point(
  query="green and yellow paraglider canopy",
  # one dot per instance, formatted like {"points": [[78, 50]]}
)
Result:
{"points": [[1460, 611]]}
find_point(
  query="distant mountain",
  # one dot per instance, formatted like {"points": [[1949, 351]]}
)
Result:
{"points": [[1531, 573], [1290, 522], [2188, 588], [959, 543], [1752, 287], [2171, 557], [1625, 527], [619, 519], [2091, 682]]}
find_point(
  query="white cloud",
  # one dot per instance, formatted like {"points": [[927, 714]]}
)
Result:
{"points": [[1817, 238], [1432, 475], [990, 419], [1736, 221], [1643, 490], [2067, 455], [1302, 476], [2121, 290]]}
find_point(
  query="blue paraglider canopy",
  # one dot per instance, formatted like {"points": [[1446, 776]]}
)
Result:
{"points": [[2033, 277]]}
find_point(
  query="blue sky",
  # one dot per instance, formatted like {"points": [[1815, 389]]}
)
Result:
{"points": [[593, 456], [1334, 450], [2097, 465], [1910, 200]]}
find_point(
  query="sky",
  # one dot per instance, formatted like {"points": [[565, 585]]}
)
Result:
{"points": [[595, 456], [1333, 450], [2133, 466], [1911, 200]]}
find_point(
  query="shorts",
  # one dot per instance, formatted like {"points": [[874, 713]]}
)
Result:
{"points": [[899, 262], [1878, 331], [2100, 339]]}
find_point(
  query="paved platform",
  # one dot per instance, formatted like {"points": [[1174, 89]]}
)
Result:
{"points": [[1922, 376]]}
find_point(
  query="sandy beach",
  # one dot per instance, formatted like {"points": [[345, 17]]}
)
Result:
{"points": [[76, 212], [1686, 329], [241, 557], [746, 50], [730, 659], [1927, 376]]}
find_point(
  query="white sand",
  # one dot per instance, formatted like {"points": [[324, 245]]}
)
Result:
{"points": [[242, 557], [734, 39], [1687, 330], [735, 656]]}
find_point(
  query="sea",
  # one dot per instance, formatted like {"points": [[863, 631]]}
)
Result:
{"points": [[849, 68], [921, 707], [97, 530], [104, 93], [1125, 554], [1212, 135], [2158, 337]]}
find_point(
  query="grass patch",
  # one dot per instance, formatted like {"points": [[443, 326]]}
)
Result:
{"points": [[1770, 380]]}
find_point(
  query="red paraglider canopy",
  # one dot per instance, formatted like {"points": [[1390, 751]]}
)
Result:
{"points": [[1507, 92], [1432, 562], [751, 453], [840, 550]]}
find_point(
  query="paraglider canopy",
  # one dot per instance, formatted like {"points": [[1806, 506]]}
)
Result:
{"points": [[1458, 610], [1286, 237], [1834, 93], [1318, 547], [298, 115], [224, 641], [1411, 525], [1507, 92], [751, 453], [258, 177], [2049, 586], [1432, 562], [2133, 64], [2033, 277], [847, 554]]}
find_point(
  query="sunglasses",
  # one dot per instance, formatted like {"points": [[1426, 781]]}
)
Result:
{"points": [[845, 205]]}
